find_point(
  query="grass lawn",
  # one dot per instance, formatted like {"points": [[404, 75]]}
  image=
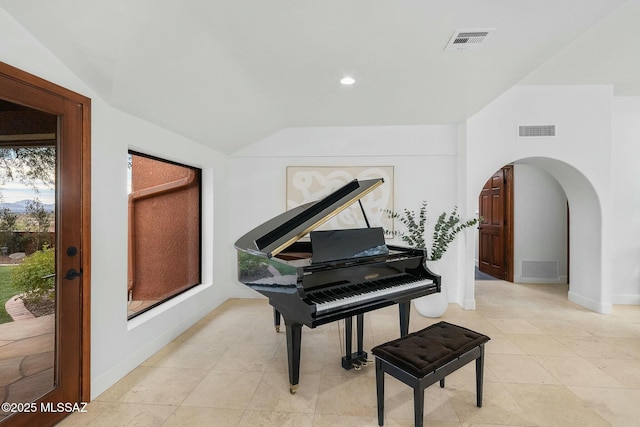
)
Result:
{"points": [[6, 291]]}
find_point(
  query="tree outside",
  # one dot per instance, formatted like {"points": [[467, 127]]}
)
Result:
{"points": [[32, 166]]}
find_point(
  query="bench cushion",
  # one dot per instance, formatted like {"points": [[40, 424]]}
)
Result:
{"points": [[424, 351]]}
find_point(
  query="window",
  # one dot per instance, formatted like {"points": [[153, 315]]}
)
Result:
{"points": [[164, 231]]}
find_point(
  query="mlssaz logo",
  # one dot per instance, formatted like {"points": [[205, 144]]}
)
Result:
{"points": [[63, 407]]}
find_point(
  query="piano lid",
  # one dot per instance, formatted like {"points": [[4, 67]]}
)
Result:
{"points": [[280, 232]]}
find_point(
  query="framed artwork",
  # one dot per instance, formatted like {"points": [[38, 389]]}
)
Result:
{"points": [[310, 183]]}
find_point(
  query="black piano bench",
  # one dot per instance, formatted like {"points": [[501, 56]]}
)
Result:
{"points": [[421, 358]]}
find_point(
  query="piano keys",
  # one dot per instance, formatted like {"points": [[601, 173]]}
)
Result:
{"points": [[349, 296], [337, 274]]}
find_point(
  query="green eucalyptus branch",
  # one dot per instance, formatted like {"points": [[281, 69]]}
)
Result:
{"points": [[445, 230], [415, 225]]}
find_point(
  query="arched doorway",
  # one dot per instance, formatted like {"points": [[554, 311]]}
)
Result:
{"points": [[585, 233], [523, 236]]}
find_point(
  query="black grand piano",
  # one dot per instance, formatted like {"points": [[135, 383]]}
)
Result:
{"points": [[337, 274]]}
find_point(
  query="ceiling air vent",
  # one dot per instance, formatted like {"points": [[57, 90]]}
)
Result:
{"points": [[536, 131], [468, 39]]}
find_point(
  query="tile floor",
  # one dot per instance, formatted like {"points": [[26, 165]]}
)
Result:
{"points": [[549, 363]]}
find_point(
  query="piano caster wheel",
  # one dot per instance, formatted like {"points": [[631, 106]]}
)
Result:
{"points": [[293, 388], [277, 328]]}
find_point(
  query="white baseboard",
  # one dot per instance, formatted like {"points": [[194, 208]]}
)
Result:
{"points": [[469, 304], [625, 299], [561, 280], [597, 306]]}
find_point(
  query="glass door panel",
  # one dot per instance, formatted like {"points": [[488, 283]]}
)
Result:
{"points": [[28, 284]]}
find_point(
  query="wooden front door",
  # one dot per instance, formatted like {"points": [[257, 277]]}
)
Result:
{"points": [[495, 231], [61, 357]]}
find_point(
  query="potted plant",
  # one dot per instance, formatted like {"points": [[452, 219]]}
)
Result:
{"points": [[445, 230]]}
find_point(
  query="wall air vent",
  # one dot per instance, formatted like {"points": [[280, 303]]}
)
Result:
{"points": [[540, 269], [536, 131], [468, 39]]}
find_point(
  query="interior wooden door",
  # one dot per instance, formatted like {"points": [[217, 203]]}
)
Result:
{"points": [[495, 251], [66, 383]]}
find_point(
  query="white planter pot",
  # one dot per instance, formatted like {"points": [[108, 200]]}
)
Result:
{"points": [[434, 305]]}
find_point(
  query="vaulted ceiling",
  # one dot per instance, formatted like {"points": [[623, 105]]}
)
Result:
{"points": [[226, 73]]}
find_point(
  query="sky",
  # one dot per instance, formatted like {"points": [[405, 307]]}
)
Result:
{"points": [[15, 191]]}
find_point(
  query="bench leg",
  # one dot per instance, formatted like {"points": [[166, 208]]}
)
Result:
{"points": [[418, 405], [479, 376], [380, 391]]}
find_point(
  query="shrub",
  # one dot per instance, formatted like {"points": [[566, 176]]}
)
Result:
{"points": [[31, 276]]}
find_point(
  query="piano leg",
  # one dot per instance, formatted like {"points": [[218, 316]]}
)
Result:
{"points": [[405, 310], [294, 341], [348, 337], [360, 337], [276, 319], [358, 359]]}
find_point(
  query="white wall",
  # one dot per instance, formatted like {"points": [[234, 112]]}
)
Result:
{"points": [[118, 346], [540, 226], [424, 160], [579, 158], [625, 193]]}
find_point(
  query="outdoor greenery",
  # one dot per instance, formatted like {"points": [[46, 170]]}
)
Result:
{"points": [[36, 220], [32, 276], [34, 167], [445, 230], [6, 291], [8, 225]]}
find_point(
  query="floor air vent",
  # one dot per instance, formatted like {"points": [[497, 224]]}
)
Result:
{"points": [[536, 131]]}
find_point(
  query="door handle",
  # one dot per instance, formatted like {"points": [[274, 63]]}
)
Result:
{"points": [[72, 274]]}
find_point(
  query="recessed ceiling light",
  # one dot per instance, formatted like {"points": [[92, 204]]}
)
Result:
{"points": [[347, 81]]}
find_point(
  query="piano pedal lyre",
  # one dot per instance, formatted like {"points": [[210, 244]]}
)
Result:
{"points": [[355, 361], [359, 364]]}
